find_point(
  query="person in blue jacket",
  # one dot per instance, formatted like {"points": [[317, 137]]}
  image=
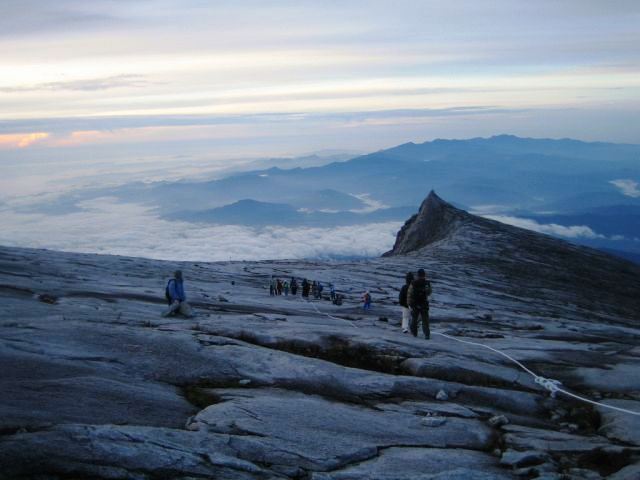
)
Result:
{"points": [[176, 297]]}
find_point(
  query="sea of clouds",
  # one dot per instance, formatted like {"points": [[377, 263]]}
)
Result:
{"points": [[570, 231], [105, 225], [108, 227]]}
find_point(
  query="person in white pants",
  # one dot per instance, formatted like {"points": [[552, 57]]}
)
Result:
{"points": [[406, 317], [183, 308], [402, 300]]}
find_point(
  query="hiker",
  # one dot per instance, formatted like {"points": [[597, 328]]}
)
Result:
{"points": [[332, 292], [320, 288], [337, 299], [418, 301], [314, 289], [279, 286], [305, 288], [402, 300], [272, 286], [366, 301], [294, 286], [176, 298], [285, 286]]}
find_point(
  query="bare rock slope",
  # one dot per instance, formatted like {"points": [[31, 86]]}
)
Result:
{"points": [[435, 220], [95, 384]]}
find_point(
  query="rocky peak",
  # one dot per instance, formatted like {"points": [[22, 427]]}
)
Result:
{"points": [[435, 220]]}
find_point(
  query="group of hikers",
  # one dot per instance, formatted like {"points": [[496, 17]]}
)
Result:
{"points": [[413, 298], [309, 289]]}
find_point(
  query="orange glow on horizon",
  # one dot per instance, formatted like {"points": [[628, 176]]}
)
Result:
{"points": [[21, 140]]}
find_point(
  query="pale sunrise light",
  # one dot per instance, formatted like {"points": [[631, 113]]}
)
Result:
{"points": [[21, 140], [147, 73]]}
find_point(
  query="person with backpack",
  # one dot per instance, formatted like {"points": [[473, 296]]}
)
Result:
{"points": [[418, 301], [176, 298], [306, 286], [332, 292], [285, 287], [366, 301], [278, 287], [402, 300], [320, 288], [294, 286]]}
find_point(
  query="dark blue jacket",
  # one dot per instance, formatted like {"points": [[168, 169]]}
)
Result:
{"points": [[176, 290]]}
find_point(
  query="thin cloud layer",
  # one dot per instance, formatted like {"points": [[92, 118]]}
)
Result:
{"points": [[91, 84], [23, 18], [573, 231], [109, 227], [627, 187]]}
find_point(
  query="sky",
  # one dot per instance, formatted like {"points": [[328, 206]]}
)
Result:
{"points": [[114, 91], [92, 88]]}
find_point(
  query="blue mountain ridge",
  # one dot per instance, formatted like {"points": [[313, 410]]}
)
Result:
{"points": [[561, 181]]}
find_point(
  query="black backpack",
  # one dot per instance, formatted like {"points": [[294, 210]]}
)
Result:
{"points": [[402, 296], [420, 291], [167, 295]]}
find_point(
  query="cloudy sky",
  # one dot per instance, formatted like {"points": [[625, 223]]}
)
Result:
{"points": [[115, 91], [115, 81]]}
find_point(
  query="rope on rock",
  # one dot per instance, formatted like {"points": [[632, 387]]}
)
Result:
{"points": [[327, 315], [551, 385]]}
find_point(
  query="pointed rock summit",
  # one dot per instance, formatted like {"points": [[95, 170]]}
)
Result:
{"points": [[435, 220]]}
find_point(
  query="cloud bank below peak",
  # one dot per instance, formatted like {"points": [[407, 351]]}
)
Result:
{"points": [[106, 226], [570, 232]]}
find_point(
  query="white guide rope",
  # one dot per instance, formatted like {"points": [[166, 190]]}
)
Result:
{"points": [[553, 386], [327, 315]]}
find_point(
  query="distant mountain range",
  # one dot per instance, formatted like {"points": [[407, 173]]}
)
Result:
{"points": [[565, 182]]}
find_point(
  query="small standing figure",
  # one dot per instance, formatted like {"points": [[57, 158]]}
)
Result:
{"points": [[176, 298], [418, 300], [279, 286], [272, 286], [332, 292], [366, 301], [294, 286], [320, 288], [305, 288], [285, 287], [314, 289]]}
